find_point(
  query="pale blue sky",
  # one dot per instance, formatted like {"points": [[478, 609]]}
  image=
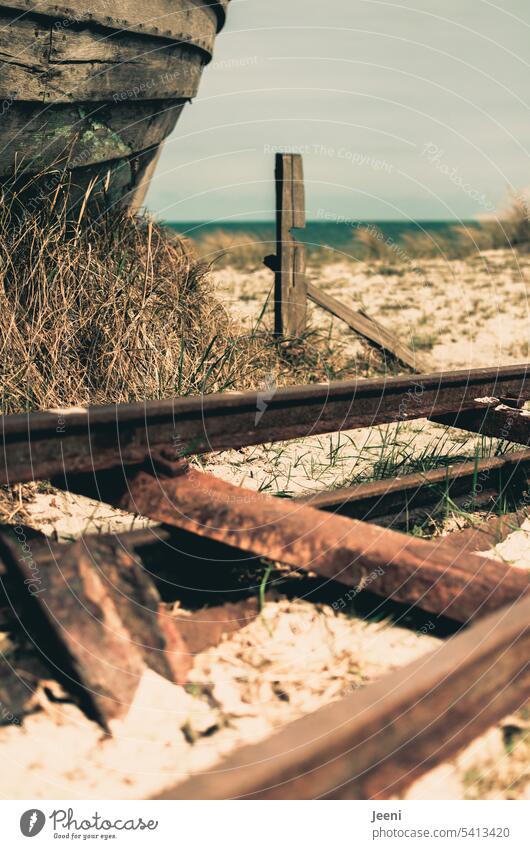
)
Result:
{"points": [[417, 110]]}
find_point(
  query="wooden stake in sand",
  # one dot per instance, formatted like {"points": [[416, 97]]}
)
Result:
{"points": [[290, 294]]}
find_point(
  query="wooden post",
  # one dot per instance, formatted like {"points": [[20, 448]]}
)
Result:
{"points": [[290, 292]]}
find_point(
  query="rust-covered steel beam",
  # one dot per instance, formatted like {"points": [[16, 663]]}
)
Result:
{"points": [[398, 500], [356, 554], [377, 741], [43, 445], [96, 620], [92, 614], [491, 419]]}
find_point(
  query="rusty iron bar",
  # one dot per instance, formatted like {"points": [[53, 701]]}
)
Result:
{"points": [[377, 741], [42, 445], [356, 554], [396, 500], [492, 419], [95, 617], [92, 613]]}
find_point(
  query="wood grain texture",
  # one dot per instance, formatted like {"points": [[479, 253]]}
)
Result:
{"points": [[194, 20], [290, 293], [81, 135], [374, 743], [122, 70], [44, 64], [372, 330]]}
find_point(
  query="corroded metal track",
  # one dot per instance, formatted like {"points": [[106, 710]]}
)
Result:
{"points": [[376, 741], [42, 445], [394, 565]]}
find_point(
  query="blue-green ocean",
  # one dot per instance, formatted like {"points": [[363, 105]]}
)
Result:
{"points": [[316, 234]]}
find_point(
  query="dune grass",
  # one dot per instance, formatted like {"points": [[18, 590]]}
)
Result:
{"points": [[116, 309], [510, 229]]}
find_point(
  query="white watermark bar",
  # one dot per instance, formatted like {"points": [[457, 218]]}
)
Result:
{"points": [[234, 825]]}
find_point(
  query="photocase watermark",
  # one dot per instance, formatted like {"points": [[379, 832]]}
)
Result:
{"points": [[483, 476], [234, 62], [66, 824], [65, 23], [266, 392], [436, 156], [145, 85], [169, 77], [7, 102], [7, 716], [46, 188], [341, 603], [32, 822], [34, 584], [411, 396], [354, 157], [66, 820], [399, 252]]}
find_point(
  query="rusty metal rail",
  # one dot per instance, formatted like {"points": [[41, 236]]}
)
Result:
{"points": [[413, 571], [43, 445], [132, 456], [399, 501], [377, 741], [491, 419]]}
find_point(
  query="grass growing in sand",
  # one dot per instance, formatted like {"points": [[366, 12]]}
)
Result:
{"points": [[117, 309]]}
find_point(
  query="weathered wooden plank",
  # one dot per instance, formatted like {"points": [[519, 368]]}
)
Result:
{"points": [[117, 51], [43, 63], [290, 295], [24, 54], [193, 20], [33, 136], [375, 742], [368, 327], [42, 445], [137, 195], [353, 553]]}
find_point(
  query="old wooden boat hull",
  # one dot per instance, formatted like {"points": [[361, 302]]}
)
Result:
{"points": [[97, 92]]}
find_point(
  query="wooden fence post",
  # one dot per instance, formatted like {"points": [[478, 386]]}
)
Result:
{"points": [[290, 291]]}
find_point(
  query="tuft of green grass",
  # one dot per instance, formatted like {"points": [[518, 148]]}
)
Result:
{"points": [[423, 341]]}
